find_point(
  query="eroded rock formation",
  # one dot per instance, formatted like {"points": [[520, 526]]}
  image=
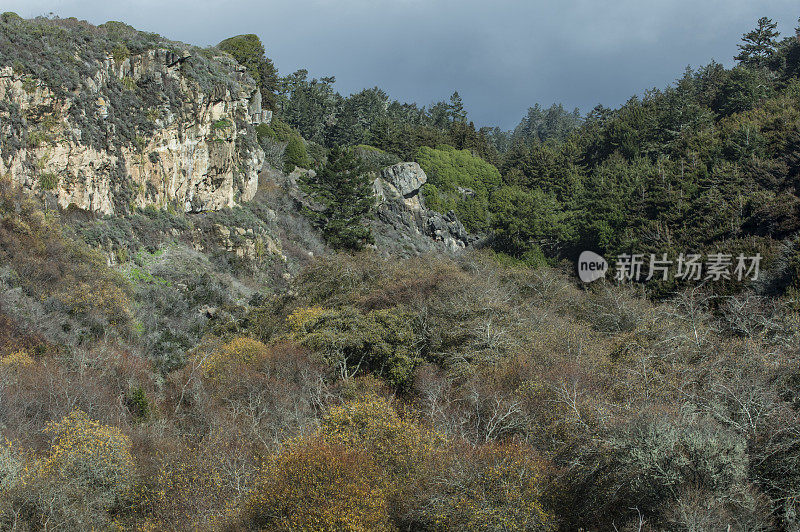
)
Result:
{"points": [[194, 149], [403, 217]]}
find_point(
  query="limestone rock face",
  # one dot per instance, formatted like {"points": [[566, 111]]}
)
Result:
{"points": [[407, 178], [199, 152]]}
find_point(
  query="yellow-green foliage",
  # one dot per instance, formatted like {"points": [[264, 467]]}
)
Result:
{"points": [[277, 130], [448, 169], [87, 471], [370, 469], [239, 351], [302, 320], [95, 459], [120, 53], [48, 180], [18, 360], [403, 447], [374, 158], [317, 486], [186, 488]]}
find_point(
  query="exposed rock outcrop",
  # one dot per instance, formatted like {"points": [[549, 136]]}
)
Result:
{"points": [[404, 222], [191, 147], [407, 178]]}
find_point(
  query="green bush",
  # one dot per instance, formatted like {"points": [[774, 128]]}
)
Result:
{"points": [[223, 123], [48, 180], [459, 181], [295, 152], [120, 53], [137, 403], [449, 168], [380, 341]]}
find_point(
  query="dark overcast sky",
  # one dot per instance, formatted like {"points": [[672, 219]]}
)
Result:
{"points": [[503, 56]]}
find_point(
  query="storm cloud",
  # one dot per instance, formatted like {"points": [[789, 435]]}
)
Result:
{"points": [[502, 56]]}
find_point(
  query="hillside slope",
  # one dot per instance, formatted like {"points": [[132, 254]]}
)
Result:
{"points": [[181, 348]]}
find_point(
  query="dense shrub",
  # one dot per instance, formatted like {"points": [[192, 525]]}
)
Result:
{"points": [[243, 351], [87, 471], [459, 181], [93, 457], [314, 485], [494, 488], [380, 341], [526, 222], [402, 447]]}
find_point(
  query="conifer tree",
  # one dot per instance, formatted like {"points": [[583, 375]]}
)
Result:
{"points": [[759, 44], [344, 197], [249, 52], [456, 108]]}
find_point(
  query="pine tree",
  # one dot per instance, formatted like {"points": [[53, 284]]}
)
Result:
{"points": [[456, 108], [344, 195], [249, 52], [759, 44]]}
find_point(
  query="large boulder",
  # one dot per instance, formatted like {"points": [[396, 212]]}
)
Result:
{"points": [[402, 221], [407, 178]]}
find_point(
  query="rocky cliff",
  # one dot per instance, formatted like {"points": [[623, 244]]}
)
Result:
{"points": [[109, 120], [108, 130], [403, 219]]}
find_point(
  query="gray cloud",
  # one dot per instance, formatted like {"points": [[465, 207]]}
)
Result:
{"points": [[502, 56]]}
